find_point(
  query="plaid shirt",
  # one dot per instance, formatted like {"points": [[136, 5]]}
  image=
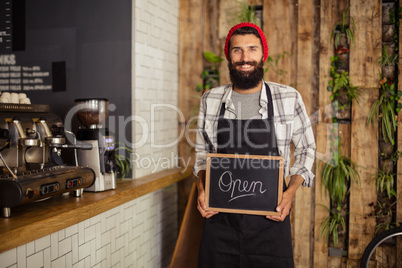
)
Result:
{"points": [[291, 124]]}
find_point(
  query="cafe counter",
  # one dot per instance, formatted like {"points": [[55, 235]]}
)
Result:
{"points": [[35, 220]]}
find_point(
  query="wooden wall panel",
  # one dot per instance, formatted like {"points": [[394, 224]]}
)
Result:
{"points": [[399, 164], [367, 44], [361, 230], [302, 208], [190, 69], [364, 73], [281, 32], [330, 14]]}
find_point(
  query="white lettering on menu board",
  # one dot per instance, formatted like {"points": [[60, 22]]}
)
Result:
{"points": [[239, 188], [16, 78]]}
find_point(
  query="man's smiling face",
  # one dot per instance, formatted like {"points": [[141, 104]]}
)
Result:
{"points": [[246, 61]]}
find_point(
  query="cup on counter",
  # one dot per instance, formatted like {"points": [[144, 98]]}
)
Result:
{"points": [[22, 95], [15, 98], [5, 97], [25, 101]]}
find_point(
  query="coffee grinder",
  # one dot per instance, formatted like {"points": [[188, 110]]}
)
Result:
{"points": [[92, 114]]}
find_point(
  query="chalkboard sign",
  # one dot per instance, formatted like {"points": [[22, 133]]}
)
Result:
{"points": [[246, 184]]}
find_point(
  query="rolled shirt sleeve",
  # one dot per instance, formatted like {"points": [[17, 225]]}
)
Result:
{"points": [[303, 140]]}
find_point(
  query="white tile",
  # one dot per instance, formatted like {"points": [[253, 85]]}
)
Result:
{"points": [[98, 239], [81, 233], [80, 264], [59, 262], [69, 260], [100, 255], [105, 238], [120, 241], [35, 260], [84, 250], [30, 248], [72, 230], [47, 263], [54, 246], [65, 246], [108, 254], [42, 243], [90, 233], [115, 257], [21, 256], [62, 234], [74, 248], [8, 258], [93, 252]]}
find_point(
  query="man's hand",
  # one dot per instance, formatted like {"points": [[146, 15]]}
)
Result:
{"points": [[287, 198], [201, 197]]}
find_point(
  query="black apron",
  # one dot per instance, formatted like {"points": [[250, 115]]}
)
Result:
{"points": [[240, 240]]}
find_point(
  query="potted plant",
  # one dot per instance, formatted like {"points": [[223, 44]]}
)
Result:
{"points": [[333, 225], [343, 92], [387, 61], [245, 13], [336, 175], [385, 181], [384, 109], [383, 212], [344, 31], [123, 161]]}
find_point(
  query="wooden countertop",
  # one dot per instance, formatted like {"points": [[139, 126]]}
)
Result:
{"points": [[35, 220]]}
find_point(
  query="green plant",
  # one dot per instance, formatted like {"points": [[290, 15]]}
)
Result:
{"points": [[331, 224], [245, 13], [123, 162], [384, 109], [272, 63], [342, 80], [385, 59], [383, 213], [335, 176], [385, 181], [344, 28], [210, 75]]}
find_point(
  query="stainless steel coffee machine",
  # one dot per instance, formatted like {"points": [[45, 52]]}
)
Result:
{"points": [[92, 114], [32, 163]]}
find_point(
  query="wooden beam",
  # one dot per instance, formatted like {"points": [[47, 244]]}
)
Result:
{"points": [[366, 48], [399, 163], [330, 14], [361, 230], [281, 32], [302, 227]]}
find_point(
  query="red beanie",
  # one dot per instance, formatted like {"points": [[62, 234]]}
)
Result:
{"points": [[247, 24]]}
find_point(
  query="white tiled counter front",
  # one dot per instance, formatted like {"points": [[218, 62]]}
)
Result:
{"points": [[139, 233]]}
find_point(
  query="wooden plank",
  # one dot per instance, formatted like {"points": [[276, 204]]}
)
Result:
{"points": [[190, 53], [190, 69], [399, 163], [361, 230], [302, 207], [367, 44], [280, 31], [188, 242], [224, 25], [329, 15]]}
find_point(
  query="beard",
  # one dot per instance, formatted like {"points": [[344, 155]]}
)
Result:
{"points": [[249, 79]]}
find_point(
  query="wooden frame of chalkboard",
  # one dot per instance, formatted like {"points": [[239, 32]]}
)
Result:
{"points": [[244, 184]]}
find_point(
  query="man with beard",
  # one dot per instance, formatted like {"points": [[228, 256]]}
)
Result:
{"points": [[251, 116]]}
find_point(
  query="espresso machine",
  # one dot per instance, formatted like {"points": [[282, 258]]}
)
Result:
{"points": [[92, 114], [33, 165]]}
